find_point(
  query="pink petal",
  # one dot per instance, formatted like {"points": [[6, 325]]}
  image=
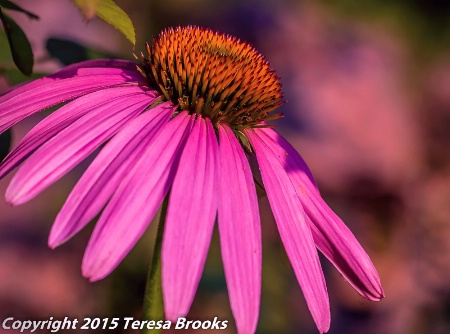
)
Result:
{"points": [[190, 219], [294, 230], [61, 153], [70, 71], [58, 121], [331, 235], [136, 201], [240, 232], [33, 97], [106, 172]]}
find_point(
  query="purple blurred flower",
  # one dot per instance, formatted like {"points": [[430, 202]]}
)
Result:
{"points": [[186, 120]]}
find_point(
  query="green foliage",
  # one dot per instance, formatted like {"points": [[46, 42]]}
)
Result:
{"points": [[9, 5], [18, 43], [7, 67], [109, 12], [88, 8], [22, 53], [153, 308]]}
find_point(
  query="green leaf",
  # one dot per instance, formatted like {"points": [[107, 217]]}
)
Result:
{"points": [[5, 144], [88, 8], [18, 43], [10, 5], [109, 12]]}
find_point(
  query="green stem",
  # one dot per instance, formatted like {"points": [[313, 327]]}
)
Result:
{"points": [[153, 299]]}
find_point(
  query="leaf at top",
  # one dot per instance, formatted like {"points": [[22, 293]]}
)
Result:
{"points": [[88, 8], [109, 12], [18, 43], [10, 5]]}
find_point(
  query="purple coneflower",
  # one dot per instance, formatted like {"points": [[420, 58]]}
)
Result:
{"points": [[187, 119]]}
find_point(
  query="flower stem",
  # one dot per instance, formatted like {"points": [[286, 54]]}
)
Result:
{"points": [[153, 308]]}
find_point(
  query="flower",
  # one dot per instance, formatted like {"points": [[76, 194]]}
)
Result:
{"points": [[187, 119]]}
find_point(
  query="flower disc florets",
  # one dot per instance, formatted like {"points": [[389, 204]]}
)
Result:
{"points": [[213, 74]]}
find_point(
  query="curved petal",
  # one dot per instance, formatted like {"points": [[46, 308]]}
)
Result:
{"points": [[52, 90], [190, 219], [70, 71], [73, 144], [58, 121], [240, 232], [105, 173], [294, 230], [331, 235], [136, 201]]}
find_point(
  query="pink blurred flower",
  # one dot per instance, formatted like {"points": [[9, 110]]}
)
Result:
{"points": [[190, 134]]}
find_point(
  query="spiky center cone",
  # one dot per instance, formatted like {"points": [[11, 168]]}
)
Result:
{"points": [[213, 74]]}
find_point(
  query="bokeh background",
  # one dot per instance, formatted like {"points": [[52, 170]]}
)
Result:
{"points": [[367, 86]]}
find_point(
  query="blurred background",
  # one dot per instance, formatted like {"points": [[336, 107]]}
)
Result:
{"points": [[367, 86]]}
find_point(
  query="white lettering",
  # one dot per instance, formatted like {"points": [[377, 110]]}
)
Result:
{"points": [[36, 325], [25, 325], [180, 323], [224, 324], [206, 324], [127, 321], [196, 324], [5, 325]]}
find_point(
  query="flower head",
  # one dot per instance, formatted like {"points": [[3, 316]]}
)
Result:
{"points": [[187, 119], [214, 75]]}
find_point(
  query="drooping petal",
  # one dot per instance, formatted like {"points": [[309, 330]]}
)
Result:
{"points": [[61, 153], [240, 232], [190, 219], [43, 93], [105, 173], [294, 230], [331, 235], [70, 71], [136, 200], [58, 121]]}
